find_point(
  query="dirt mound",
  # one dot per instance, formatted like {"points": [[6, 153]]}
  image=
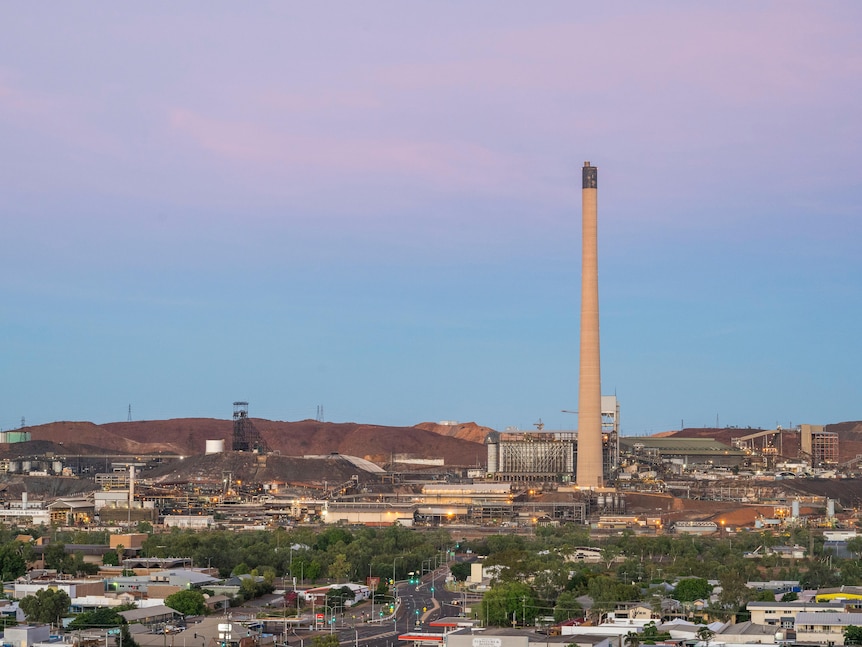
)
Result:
{"points": [[188, 436], [465, 431]]}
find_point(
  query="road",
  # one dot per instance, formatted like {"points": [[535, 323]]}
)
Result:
{"points": [[418, 606]]}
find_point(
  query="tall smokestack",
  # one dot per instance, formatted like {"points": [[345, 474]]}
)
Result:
{"points": [[131, 486], [590, 470]]}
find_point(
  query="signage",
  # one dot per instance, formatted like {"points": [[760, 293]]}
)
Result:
{"points": [[487, 642]]}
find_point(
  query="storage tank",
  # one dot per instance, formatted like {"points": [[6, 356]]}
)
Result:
{"points": [[215, 446], [794, 509], [57, 466], [14, 467], [492, 441], [17, 436], [830, 508], [26, 466]]}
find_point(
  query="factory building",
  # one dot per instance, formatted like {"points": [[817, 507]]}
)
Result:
{"points": [[550, 456], [817, 445]]}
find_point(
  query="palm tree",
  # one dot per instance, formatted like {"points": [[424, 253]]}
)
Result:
{"points": [[705, 635], [633, 639]]}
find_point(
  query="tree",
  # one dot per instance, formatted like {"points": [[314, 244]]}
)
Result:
{"points": [[55, 557], [855, 546], [189, 602], [690, 589], [106, 618], [12, 561], [46, 606], [633, 639], [705, 634], [651, 635], [508, 601], [460, 570], [567, 607], [339, 568], [338, 597], [78, 566], [852, 635]]}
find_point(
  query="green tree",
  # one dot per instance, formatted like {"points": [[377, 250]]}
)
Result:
{"points": [[855, 546], [852, 635], [506, 602], [705, 634], [106, 618], [651, 635], [340, 596], [460, 570], [339, 568], [55, 557], [189, 602], [633, 639], [567, 607], [13, 564], [110, 558], [690, 589], [45, 606], [77, 566]]}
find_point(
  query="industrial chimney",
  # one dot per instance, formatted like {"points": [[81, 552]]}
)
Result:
{"points": [[589, 469]]}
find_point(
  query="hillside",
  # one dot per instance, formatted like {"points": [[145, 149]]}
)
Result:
{"points": [[188, 436]]}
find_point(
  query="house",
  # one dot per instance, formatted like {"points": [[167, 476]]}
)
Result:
{"points": [[745, 633], [783, 614], [72, 588], [824, 628], [318, 595], [151, 616], [634, 614]]}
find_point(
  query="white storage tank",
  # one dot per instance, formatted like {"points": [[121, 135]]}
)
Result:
{"points": [[215, 446]]}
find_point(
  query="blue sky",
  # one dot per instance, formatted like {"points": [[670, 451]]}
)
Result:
{"points": [[375, 207]]}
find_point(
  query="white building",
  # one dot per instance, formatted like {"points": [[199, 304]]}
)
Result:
{"points": [[196, 522], [26, 635], [783, 614], [824, 628]]}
